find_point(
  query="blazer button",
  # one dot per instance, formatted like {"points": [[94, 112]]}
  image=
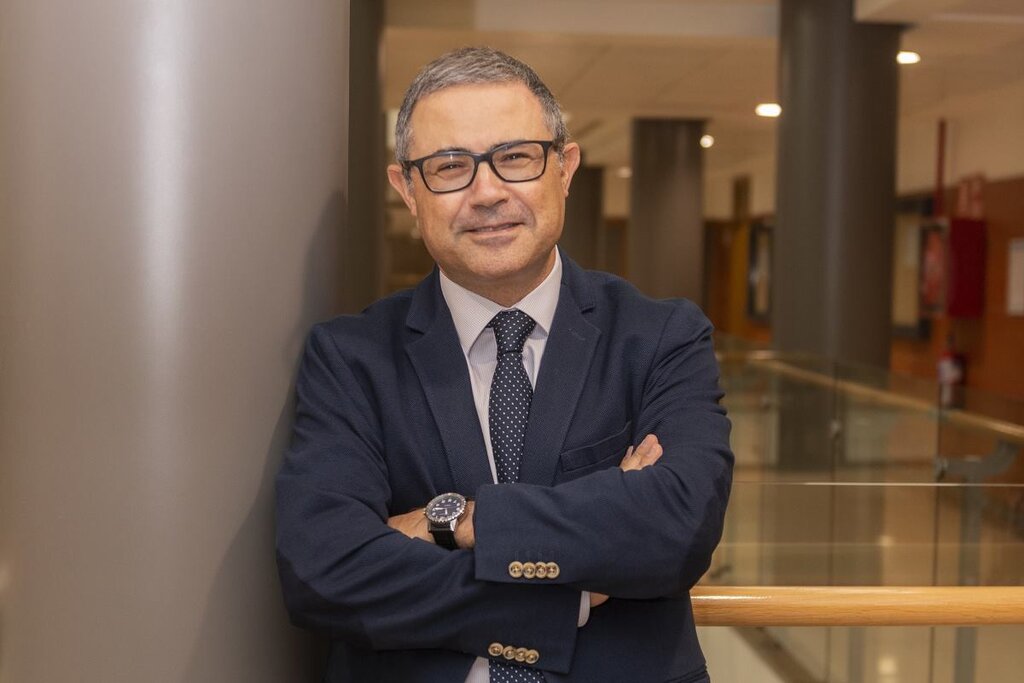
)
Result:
{"points": [[542, 570], [529, 570], [521, 654], [495, 649], [515, 569], [532, 656], [509, 652], [553, 570]]}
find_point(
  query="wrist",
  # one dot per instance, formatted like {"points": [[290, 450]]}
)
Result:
{"points": [[464, 536]]}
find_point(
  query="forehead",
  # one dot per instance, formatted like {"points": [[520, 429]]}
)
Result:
{"points": [[476, 117]]}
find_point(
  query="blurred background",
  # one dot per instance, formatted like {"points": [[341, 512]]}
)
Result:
{"points": [[185, 187]]}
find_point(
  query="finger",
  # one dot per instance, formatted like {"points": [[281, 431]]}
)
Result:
{"points": [[652, 455], [648, 452], [649, 442], [629, 461]]}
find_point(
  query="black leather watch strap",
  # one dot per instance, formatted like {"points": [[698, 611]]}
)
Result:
{"points": [[444, 536]]}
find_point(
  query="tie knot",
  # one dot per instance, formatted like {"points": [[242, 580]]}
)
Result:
{"points": [[511, 328]]}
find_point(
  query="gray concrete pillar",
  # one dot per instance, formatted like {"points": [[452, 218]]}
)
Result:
{"points": [[172, 179], [362, 263], [838, 89], [831, 285], [583, 216], [666, 229]]}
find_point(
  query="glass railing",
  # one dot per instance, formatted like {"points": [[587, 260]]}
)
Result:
{"points": [[848, 476], [782, 532]]}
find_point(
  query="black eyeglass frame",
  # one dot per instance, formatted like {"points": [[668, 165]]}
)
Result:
{"points": [[487, 156]]}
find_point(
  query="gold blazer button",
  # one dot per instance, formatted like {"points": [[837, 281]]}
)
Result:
{"points": [[532, 656], [495, 649], [509, 652], [553, 570], [515, 569], [529, 570]]}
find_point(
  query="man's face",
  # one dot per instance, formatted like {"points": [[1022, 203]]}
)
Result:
{"points": [[494, 238]]}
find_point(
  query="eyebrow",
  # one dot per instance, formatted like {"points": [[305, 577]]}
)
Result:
{"points": [[463, 150]]}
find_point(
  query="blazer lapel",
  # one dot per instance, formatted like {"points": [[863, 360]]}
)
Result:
{"points": [[441, 367], [563, 373]]}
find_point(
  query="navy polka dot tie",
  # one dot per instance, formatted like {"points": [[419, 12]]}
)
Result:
{"points": [[508, 411]]}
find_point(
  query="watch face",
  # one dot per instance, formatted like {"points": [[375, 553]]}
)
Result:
{"points": [[446, 507]]}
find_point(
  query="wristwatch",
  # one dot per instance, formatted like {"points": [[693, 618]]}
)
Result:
{"points": [[443, 514]]}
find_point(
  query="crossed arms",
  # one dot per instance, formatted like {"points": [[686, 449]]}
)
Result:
{"points": [[645, 529], [414, 523]]}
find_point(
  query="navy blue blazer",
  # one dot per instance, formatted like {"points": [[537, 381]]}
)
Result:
{"points": [[385, 421]]}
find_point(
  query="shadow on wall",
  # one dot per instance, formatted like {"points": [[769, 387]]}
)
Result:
{"points": [[245, 616]]}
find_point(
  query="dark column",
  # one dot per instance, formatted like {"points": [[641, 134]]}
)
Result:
{"points": [[172, 180], [836, 183], [835, 201], [583, 216], [362, 270], [666, 230]]}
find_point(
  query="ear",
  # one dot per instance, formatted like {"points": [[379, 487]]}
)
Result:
{"points": [[570, 162], [396, 176]]}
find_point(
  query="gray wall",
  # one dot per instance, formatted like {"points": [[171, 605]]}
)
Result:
{"points": [[172, 182]]}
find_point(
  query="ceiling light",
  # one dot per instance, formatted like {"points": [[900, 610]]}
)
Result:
{"points": [[769, 109], [707, 140], [907, 57], [624, 172]]}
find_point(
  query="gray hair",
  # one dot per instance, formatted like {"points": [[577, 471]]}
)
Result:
{"points": [[474, 66]]}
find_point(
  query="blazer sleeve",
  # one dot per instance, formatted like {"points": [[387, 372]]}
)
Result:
{"points": [[641, 534], [345, 571]]}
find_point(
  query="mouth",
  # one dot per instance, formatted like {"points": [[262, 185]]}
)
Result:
{"points": [[497, 227]]}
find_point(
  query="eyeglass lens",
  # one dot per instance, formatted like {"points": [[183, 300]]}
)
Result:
{"points": [[515, 163]]}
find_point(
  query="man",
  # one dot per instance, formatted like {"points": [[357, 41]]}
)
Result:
{"points": [[516, 471]]}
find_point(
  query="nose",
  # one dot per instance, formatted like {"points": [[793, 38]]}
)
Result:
{"points": [[487, 188]]}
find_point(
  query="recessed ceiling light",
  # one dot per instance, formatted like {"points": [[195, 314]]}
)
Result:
{"points": [[769, 109], [907, 57], [707, 140], [624, 172]]}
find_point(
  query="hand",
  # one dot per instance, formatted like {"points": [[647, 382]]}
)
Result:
{"points": [[413, 524], [645, 455]]}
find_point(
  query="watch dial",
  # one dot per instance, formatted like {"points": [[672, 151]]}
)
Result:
{"points": [[446, 508]]}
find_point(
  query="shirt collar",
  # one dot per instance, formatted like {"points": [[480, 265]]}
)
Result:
{"points": [[471, 312]]}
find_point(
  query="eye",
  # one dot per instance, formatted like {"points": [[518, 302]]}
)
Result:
{"points": [[448, 165]]}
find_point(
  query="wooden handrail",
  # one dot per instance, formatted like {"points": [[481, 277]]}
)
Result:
{"points": [[1008, 431], [857, 605]]}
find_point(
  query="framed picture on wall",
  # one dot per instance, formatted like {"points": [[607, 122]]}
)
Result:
{"points": [[932, 274], [1015, 278], [907, 320], [759, 273]]}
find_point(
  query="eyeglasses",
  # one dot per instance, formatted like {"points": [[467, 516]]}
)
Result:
{"points": [[513, 162]]}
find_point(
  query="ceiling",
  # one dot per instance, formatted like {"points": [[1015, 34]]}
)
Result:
{"points": [[609, 61]]}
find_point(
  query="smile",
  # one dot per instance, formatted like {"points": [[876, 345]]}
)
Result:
{"points": [[492, 228]]}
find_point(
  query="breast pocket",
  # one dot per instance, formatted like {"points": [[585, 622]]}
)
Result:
{"points": [[598, 455]]}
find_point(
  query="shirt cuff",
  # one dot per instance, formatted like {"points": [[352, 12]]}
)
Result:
{"points": [[584, 609]]}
